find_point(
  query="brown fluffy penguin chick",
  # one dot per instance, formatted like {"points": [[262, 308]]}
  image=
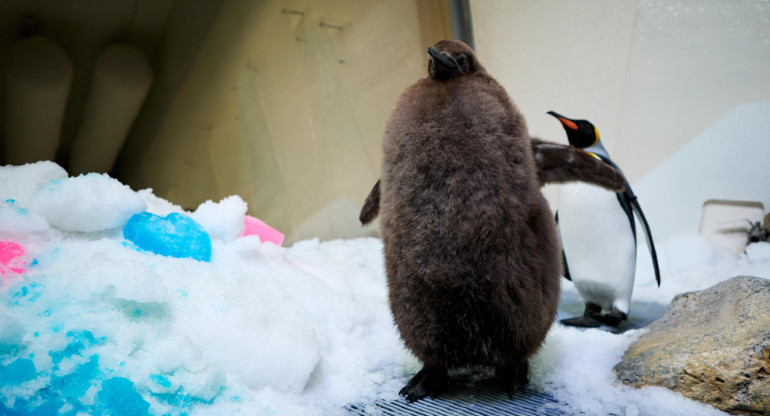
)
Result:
{"points": [[471, 251]]}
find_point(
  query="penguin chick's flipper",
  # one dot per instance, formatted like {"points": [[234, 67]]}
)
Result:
{"points": [[430, 381], [563, 254], [556, 163], [513, 377], [371, 206], [647, 233]]}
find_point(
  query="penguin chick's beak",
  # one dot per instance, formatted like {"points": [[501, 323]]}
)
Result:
{"points": [[443, 62], [567, 123]]}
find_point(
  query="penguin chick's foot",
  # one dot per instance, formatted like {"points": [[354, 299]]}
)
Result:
{"points": [[513, 377], [612, 318], [430, 381]]}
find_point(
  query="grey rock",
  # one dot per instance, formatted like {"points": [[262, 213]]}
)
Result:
{"points": [[712, 346]]}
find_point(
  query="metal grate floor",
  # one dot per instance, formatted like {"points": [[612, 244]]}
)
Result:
{"points": [[481, 399], [485, 398]]}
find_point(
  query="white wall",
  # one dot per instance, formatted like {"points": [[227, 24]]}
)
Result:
{"points": [[668, 84], [651, 74], [728, 161]]}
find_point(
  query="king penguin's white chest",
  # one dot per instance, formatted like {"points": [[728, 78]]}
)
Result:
{"points": [[598, 243]]}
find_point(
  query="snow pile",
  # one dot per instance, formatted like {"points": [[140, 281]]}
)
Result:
{"points": [[95, 326], [575, 366], [689, 262], [77, 204]]}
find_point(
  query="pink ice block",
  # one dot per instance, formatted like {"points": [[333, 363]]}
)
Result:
{"points": [[265, 232], [12, 258]]}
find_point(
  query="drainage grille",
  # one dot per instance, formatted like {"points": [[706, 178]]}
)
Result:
{"points": [[468, 400]]}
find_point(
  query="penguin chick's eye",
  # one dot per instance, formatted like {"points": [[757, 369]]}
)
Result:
{"points": [[462, 61]]}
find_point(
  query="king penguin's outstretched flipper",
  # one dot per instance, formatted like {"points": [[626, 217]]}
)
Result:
{"points": [[371, 206], [639, 214], [556, 163]]}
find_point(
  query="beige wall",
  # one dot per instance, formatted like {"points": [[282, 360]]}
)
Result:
{"points": [[288, 109], [84, 28], [285, 105], [651, 74]]}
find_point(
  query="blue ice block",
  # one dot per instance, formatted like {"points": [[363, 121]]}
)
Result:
{"points": [[174, 235]]}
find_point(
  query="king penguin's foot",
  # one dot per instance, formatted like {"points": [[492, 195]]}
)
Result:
{"points": [[513, 377], [612, 318], [430, 381], [582, 322], [589, 318]]}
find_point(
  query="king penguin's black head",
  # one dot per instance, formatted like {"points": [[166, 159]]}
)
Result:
{"points": [[580, 133], [450, 58]]}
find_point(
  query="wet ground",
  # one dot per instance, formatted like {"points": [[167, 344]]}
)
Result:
{"points": [[642, 313]]}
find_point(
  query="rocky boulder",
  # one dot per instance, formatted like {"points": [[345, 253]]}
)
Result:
{"points": [[711, 345]]}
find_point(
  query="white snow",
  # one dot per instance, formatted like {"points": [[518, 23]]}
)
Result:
{"points": [[223, 219], [576, 367], [22, 182], [86, 203], [259, 330]]}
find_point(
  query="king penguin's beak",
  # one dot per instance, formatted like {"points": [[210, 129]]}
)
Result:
{"points": [[567, 123], [442, 61]]}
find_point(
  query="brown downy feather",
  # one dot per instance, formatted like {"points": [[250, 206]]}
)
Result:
{"points": [[471, 250], [555, 163]]}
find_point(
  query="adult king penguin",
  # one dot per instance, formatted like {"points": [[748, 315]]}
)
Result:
{"points": [[471, 251], [599, 237]]}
